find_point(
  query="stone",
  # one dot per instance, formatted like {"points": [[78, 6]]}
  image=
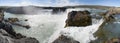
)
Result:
{"points": [[65, 39], [7, 38], [78, 18], [13, 19]]}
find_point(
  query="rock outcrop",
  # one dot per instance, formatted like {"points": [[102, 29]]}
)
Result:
{"points": [[58, 10], [78, 18], [7, 38], [108, 32], [65, 39]]}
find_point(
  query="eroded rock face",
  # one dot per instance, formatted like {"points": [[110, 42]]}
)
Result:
{"points": [[65, 39], [26, 40], [7, 38], [78, 18], [108, 32]]}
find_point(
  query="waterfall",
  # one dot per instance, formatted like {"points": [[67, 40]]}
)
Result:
{"points": [[46, 27], [43, 25], [81, 34]]}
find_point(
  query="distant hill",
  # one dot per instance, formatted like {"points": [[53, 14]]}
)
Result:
{"points": [[90, 6]]}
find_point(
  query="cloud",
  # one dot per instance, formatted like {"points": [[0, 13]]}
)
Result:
{"points": [[14, 2], [64, 3], [38, 2], [58, 2]]}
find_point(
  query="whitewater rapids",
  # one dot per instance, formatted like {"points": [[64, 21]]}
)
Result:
{"points": [[46, 27]]}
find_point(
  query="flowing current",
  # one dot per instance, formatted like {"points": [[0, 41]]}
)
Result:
{"points": [[46, 27]]}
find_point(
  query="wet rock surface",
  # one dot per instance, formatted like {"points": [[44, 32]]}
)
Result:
{"points": [[108, 32], [78, 18], [65, 39], [7, 38]]}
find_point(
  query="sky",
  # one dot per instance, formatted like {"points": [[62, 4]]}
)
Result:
{"points": [[59, 2]]}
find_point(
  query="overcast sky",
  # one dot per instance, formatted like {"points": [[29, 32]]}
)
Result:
{"points": [[59, 2]]}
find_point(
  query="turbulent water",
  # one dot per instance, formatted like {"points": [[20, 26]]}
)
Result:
{"points": [[46, 27], [43, 25]]}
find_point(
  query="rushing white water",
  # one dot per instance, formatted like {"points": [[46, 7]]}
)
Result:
{"points": [[43, 25], [81, 34], [46, 27]]}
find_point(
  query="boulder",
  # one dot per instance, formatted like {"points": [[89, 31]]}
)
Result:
{"points": [[113, 40], [13, 19], [65, 39], [7, 38], [78, 18]]}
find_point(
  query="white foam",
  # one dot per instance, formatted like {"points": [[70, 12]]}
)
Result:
{"points": [[82, 34]]}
